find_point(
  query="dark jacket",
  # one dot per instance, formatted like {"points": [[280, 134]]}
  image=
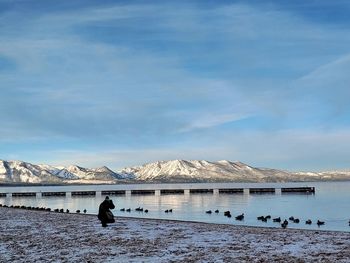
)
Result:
{"points": [[104, 210]]}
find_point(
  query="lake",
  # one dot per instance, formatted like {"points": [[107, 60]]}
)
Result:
{"points": [[330, 203]]}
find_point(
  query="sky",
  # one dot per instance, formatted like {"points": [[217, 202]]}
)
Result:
{"points": [[123, 83]]}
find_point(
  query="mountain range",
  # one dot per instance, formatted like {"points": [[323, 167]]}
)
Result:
{"points": [[174, 171]]}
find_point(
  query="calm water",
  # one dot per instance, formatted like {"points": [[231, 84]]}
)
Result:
{"points": [[331, 203]]}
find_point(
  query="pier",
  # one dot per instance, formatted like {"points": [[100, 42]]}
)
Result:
{"points": [[179, 191], [113, 192]]}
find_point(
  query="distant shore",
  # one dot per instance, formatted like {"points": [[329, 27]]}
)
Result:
{"points": [[40, 236]]}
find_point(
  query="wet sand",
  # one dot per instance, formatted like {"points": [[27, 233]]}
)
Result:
{"points": [[40, 236]]}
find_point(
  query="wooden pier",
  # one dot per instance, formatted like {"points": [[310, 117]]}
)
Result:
{"points": [[113, 192], [262, 190], [172, 191], [143, 192], [231, 191], [53, 193], [25, 194], [306, 190], [201, 191], [83, 193], [186, 191]]}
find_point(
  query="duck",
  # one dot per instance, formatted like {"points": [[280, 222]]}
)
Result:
{"points": [[264, 219], [217, 211], [128, 210], [320, 223], [284, 224], [227, 213], [277, 219], [240, 217], [308, 222], [208, 212], [122, 209], [146, 210], [291, 218], [166, 211], [268, 217], [260, 217], [170, 210], [296, 220]]}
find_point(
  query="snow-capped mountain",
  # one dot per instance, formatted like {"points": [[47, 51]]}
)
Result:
{"points": [[221, 171], [161, 172], [203, 171], [23, 172]]}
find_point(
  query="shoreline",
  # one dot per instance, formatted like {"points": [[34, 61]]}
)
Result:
{"points": [[41, 236]]}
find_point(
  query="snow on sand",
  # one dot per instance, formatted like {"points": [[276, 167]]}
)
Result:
{"points": [[39, 236]]}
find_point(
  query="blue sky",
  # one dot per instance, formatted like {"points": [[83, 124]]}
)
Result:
{"points": [[123, 83]]}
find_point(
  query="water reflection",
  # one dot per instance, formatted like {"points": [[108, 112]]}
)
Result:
{"points": [[330, 204]]}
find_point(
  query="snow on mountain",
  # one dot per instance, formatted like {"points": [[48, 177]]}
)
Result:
{"points": [[221, 171], [198, 171], [161, 172], [23, 172], [74, 172]]}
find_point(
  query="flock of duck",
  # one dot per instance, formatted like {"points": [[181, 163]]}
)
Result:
{"points": [[42, 209], [284, 223]]}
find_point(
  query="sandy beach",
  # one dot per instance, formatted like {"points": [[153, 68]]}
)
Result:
{"points": [[40, 236]]}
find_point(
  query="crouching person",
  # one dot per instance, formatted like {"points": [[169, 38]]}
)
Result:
{"points": [[105, 215]]}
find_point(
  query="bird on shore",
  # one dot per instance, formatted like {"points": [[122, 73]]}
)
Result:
{"points": [[170, 210], [78, 211], [260, 217], [128, 210], [291, 218], [308, 222], [146, 210], [67, 211], [320, 223], [122, 210], [264, 219], [216, 211], [166, 211], [240, 217], [56, 210], [208, 212], [278, 220], [84, 211]]}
